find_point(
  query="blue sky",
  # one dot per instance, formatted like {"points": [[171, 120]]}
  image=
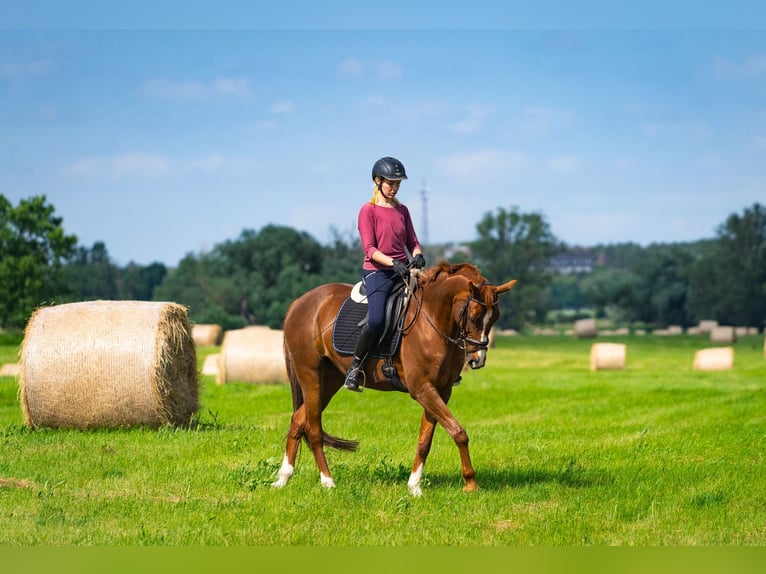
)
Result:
{"points": [[162, 132]]}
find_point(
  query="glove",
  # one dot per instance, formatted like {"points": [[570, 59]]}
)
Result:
{"points": [[419, 261], [400, 269]]}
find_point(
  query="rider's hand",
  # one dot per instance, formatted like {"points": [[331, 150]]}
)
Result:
{"points": [[400, 268], [419, 262]]}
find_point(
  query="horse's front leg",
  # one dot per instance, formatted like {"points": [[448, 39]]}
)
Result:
{"points": [[425, 438], [436, 406]]}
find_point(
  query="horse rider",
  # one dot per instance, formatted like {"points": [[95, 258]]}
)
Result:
{"points": [[387, 235]]}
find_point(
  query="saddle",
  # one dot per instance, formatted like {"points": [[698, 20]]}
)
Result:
{"points": [[352, 317]]}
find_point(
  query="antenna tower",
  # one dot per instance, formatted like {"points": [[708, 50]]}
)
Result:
{"points": [[424, 196]]}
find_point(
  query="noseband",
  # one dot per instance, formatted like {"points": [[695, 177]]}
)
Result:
{"points": [[463, 340]]}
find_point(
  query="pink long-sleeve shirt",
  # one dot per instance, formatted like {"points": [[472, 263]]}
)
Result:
{"points": [[388, 230]]}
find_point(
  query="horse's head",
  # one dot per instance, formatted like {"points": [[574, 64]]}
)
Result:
{"points": [[478, 314]]}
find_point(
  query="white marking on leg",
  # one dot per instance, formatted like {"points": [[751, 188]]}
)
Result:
{"points": [[413, 484], [326, 481], [284, 474]]}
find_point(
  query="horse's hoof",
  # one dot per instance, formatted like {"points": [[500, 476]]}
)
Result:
{"points": [[327, 481], [471, 487]]}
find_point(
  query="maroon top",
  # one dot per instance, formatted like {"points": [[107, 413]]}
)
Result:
{"points": [[388, 230]]}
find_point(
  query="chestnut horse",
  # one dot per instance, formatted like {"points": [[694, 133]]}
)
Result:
{"points": [[447, 325]]}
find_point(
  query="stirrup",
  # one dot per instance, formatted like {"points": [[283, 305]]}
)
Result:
{"points": [[352, 380]]}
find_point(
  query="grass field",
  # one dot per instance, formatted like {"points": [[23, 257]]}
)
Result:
{"points": [[657, 454]]}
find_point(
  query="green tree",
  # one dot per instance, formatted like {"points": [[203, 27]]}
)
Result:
{"points": [[260, 272], [517, 245], [33, 247], [138, 282], [729, 283], [91, 274]]}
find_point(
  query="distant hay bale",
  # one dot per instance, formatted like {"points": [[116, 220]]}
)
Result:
{"points": [[10, 370], [607, 356], [723, 335], [585, 328], [108, 364], [208, 335], [252, 355], [707, 325], [210, 365], [714, 359]]}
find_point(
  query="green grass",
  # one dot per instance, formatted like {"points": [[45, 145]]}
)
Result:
{"points": [[656, 454]]}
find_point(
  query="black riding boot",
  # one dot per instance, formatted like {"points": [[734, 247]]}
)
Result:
{"points": [[363, 346]]}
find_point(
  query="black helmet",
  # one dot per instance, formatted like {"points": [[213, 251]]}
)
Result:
{"points": [[389, 168]]}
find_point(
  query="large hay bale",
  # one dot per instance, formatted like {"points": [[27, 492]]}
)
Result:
{"points": [[714, 359], [208, 335], [724, 335], [252, 355], [10, 370], [108, 364], [607, 356], [585, 328]]}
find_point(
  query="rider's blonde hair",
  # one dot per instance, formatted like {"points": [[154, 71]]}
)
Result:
{"points": [[376, 193]]}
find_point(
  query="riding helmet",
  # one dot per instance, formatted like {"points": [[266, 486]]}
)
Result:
{"points": [[389, 168]]}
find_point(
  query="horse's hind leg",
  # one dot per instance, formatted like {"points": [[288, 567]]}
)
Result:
{"points": [[425, 438], [314, 434], [294, 435]]}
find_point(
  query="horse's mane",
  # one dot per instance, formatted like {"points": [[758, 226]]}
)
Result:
{"points": [[443, 269]]}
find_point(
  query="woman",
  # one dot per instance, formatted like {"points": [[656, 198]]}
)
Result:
{"points": [[387, 235]]}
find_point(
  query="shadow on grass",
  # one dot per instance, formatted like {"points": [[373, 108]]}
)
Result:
{"points": [[571, 475]]}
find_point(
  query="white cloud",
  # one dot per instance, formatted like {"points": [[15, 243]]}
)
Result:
{"points": [[142, 165], [542, 121], [563, 164], [20, 70], [116, 167], [751, 67], [350, 67], [165, 89], [356, 68], [283, 107], [480, 165], [474, 120], [388, 71]]}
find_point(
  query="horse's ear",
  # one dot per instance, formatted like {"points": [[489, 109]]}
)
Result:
{"points": [[505, 287]]}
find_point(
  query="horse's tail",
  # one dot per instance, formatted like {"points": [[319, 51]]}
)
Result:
{"points": [[297, 394]]}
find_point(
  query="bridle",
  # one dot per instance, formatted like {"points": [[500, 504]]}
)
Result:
{"points": [[462, 341]]}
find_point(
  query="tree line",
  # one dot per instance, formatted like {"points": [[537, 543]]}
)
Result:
{"points": [[254, 277]]}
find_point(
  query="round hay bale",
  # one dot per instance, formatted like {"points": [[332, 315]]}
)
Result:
{"points": [[210, 366], [707, 325], [585, 328], [715, 359], [108, 364], [607, 356], [208, 335], [252, 355], [724, 335]]}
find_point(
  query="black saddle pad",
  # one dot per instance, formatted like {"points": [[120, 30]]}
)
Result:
{"points": [[348, 325]]}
